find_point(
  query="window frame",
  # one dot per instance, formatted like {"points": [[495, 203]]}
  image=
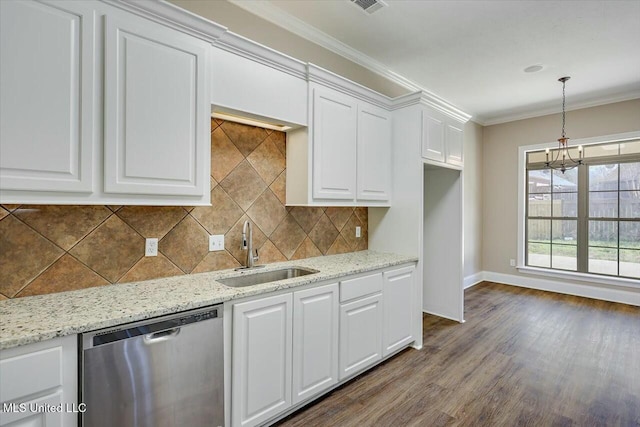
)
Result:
{"points": [[523, 217]]}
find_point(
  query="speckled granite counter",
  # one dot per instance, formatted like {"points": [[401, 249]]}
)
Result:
{"points": [[32, 319]]}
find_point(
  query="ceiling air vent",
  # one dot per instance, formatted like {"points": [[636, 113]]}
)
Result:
{"points": [[370, 6]]}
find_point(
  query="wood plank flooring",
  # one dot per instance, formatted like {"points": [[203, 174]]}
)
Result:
{"points": [[523, 358]]}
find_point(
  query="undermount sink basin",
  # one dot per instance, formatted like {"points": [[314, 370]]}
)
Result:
{"points": [[265, 277]]}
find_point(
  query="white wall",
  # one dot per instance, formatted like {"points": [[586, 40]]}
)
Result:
{"points": [[500, 174], [472, 201]]}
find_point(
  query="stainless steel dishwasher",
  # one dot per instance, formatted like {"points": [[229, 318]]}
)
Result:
{"points": [[163, 372]]}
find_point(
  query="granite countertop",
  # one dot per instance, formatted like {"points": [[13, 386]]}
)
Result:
{"points": [[38, 318]]}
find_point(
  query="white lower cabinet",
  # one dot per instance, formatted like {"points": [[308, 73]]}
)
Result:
{"points": [[315, 341], [397, 324], [261, 367], [39, 384], [271, 357], [292, 347], [360, 334]]}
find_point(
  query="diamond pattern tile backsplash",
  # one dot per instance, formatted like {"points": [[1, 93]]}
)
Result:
{"points": [[46, 249]]}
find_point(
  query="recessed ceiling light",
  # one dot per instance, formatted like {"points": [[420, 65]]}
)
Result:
{"points": [[533, 68]]}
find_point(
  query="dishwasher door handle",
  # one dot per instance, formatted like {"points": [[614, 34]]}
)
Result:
{"points": [[161, 336]]}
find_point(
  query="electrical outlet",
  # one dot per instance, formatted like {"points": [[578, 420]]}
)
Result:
{"points": [[512, 262], [151, 247], [216, 242], [358, 231]]}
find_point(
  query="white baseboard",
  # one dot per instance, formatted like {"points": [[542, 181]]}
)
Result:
{"points": [[474, 279], [595, 291], [442, 315]]}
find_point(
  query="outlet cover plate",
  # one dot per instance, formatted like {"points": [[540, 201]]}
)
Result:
{"points": [[216, 242], [151, 247]]}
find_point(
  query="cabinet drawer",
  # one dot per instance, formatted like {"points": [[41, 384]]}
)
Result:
{"points": [[30, 373], [360, 286]]}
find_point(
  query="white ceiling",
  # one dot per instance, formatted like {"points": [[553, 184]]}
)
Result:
{"points": [[473, 53]]}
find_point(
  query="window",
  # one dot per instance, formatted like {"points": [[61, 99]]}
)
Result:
{"points": [[586, 220]]}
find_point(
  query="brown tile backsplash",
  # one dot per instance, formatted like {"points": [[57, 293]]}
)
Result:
{"points": [[111, 249], [63, 225], [24, 255], [152, 221], [46, 249]]}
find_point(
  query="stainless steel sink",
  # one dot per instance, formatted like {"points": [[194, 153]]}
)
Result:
{"points": [[265, 277]]}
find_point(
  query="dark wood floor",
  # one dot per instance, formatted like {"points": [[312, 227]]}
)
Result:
{"points": [[523, 358]]}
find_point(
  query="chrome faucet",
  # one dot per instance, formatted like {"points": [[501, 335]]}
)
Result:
{"points": [[247, 243]]}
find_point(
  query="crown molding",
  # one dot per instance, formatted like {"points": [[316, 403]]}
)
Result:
{"points": [[628, 96], [427, 100], [291, 23], [173, 16], [257, 52], [335, 81]]}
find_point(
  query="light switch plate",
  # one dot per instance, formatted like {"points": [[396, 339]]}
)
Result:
{"points": [[216, 242]]}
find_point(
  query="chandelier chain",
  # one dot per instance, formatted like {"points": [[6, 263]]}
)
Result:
{"points": [[563, 113]]}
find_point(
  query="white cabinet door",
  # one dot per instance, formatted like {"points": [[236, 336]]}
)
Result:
{"points": [[374, 153], [156, 109], [261, 364], [442, 138], [397, 330], [454, 138], [360, 334], [433, 134], [334, 145], [43, 373], [22, 415], [47, 81], [315, 341]]}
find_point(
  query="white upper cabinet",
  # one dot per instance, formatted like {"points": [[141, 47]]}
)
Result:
{"points": [[239, 85], [454, 140], [334, 130], [101, 106], [156, 109], [47, 81], [373, 153], [344, 157], [433, 137], [442, 138]]}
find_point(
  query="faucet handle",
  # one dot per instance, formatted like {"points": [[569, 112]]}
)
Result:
{"points": [[255, 258]]}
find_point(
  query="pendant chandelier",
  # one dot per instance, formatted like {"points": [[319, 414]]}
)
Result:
{"points": [[560, 158]]}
